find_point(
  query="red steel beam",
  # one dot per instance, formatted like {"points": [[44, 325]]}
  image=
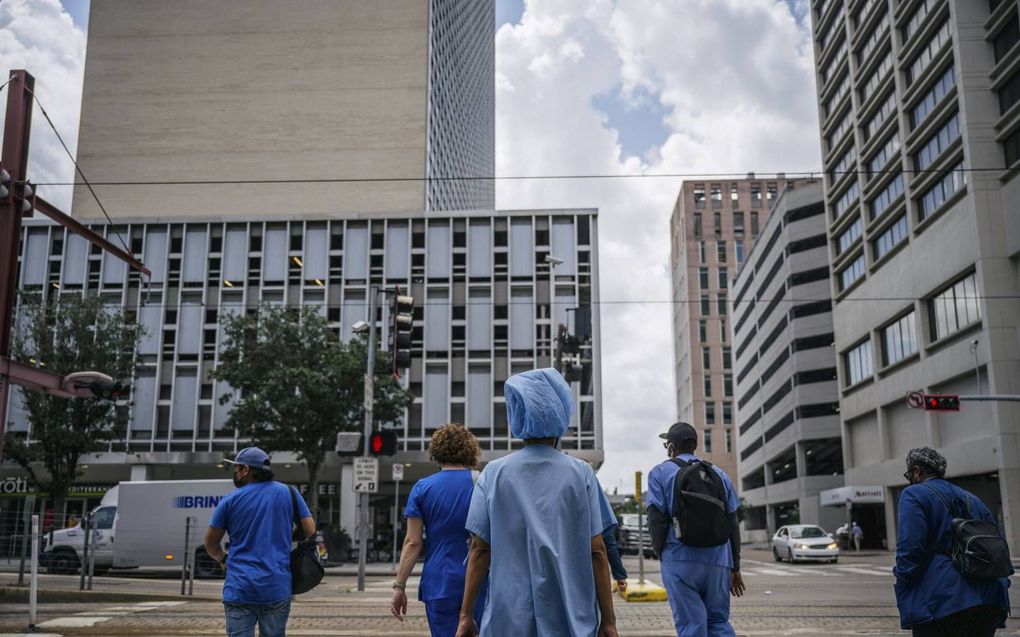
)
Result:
{"points": [[37, 379], [91, 236]]}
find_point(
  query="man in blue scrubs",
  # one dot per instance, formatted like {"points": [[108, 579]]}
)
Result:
{"points": [[538, 525], [699, 581]]}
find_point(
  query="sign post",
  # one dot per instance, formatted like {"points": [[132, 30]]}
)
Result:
{"points": [[398, 475], [640, 527]]}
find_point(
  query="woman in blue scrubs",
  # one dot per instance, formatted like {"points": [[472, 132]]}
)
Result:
{"points": [[437, 508]]}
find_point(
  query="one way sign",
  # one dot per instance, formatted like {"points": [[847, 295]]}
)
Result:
{"points": [[366, 475]]}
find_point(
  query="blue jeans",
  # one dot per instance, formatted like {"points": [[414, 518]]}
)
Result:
{"points": [[271, 618]]}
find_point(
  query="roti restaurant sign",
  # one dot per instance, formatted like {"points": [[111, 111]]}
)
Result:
{"points": [[17, 487]]}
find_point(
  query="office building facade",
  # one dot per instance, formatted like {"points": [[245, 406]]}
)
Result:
{"points": [[787, 401], [711, 229], [920, 134], [254, 107], [487, 304]]}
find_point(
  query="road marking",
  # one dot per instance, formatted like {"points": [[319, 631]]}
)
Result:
{"points": [[863, 571], [92, 617], [76, 621], [776, 571]]}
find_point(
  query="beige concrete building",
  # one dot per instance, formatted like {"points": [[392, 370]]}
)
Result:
{"points": [[711, 229], [245, 94], [919, 104]]}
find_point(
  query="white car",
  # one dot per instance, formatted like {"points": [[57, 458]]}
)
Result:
{"points": [[804, 542]]}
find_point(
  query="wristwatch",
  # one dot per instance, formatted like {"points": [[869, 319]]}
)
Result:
{"points": [[397, 584]]}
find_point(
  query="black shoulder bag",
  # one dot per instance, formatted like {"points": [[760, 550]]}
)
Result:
{"points": [[979, 551], [305, 568]]}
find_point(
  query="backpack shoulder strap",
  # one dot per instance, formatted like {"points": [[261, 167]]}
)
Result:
{"points": [[294, 506], [683, 464], [949, 508]]}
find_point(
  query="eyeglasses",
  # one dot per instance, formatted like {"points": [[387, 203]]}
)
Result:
{"points": [[907, 475]]}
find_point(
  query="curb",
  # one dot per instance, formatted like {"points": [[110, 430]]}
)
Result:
{"points": [[19, 594]]}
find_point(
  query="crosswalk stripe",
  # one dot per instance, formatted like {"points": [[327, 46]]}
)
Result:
{"points": [[863, 571]]}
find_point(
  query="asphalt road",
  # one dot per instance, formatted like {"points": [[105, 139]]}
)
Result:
{"points": [[853, 597]]}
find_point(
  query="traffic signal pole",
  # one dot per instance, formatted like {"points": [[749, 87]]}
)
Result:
{"points": [[373, 302]]}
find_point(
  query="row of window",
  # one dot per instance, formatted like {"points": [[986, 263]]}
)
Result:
{"points": [[706, 438], [880, 117], [727, 385], [710, 413], [877, 77], [927, 104], [927, 54], [951, 310], [939, 141], [892, 191], [1007, 37], [884, 155], [915, 20], [706, 358], [738, 225], [703, 331], [706, 304], [716, 194], [873, 39], [721, 251], [704, 274]]}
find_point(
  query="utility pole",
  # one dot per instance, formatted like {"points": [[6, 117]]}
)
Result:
{"points": [[373, 302], [19, 201]]}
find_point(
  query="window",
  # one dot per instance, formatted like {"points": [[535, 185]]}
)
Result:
{"points": [[892, 237], [845, 164], [728, 433], [727, 418], [836, 136], [899, 339], [851, 273], [727, 386], [738, 224], [916, 18], [771, 190], [1006, 39], [716, 196], [702, 331], [945, 189], [830, 30], [928, 53], [727, 358], [931, 99], [718, 225], [706, 305], [734, 193], [720, 251], [723, 278], [937, 143], [707, 437], [883, 155], [859, 365], [892, 191], [847, 199], [724, 335], [707, 381], [849, 236], [1011, 148], [738, 248], [1009, 94], [720, 303], [703, 278], [880, 117], [954, 308], [709, 415], [756, 195], [697, 225], [835, 63], [877, 77], [706, 358], [702, 258], [699, 195], [873, 39], [754, 225]]}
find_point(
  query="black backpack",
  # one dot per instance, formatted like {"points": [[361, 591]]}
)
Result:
{"points": [[979, 551], [305, 567], [699, 505]]}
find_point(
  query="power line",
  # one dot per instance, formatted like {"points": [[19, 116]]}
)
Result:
{"points": [[563, 177], [84, 179]]}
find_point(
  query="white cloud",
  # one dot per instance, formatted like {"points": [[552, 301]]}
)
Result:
{"points": [[40, 37], [735, 78]]}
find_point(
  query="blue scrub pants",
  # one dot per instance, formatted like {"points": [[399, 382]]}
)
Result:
{"points": [[699, 595], [443, 614]]}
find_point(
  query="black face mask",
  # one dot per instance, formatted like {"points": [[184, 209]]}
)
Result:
{"points": [[237, 481]]}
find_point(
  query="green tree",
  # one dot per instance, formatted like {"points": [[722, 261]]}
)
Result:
{"points": [[65, 334], [299, 384]]}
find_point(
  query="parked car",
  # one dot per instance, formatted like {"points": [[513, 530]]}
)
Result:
{"points": [[807, 542], [628, 535]]}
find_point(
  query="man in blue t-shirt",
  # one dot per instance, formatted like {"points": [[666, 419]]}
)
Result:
{"points": [[698, 581], [259, 517]]}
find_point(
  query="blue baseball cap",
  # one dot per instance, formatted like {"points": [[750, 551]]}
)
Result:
{"points": [[251, 456]]}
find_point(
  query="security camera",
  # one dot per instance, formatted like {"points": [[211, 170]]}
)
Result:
{"points": [[360, 327], [975, 342], [553, 261]]}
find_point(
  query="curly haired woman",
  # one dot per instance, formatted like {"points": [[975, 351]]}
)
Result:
{"points": [[438, 505]]}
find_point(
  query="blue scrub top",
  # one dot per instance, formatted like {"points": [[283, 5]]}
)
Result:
{"points": [[660, 495], [441, 501], [928, 586], [538, 509], [259, 519]]}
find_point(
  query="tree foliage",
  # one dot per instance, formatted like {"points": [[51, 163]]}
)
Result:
{"points": [[299, 384], [65, 334]]}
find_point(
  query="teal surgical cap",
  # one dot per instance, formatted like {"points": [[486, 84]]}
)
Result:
{"points": [[538, 404]]}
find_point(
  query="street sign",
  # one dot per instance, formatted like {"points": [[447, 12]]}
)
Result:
{"points": [[398, 472], [637, 486], [366, 475]]}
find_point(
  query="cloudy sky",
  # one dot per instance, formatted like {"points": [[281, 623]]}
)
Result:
{"points": [[594, 87]]}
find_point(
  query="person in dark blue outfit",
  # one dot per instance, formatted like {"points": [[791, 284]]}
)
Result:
{"points": [[616, 566], [933, 597], [259, 517], [437, 511]]}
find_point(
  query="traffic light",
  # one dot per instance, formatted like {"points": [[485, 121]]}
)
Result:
{"points": [[6, 187], [350, 443], [110, 391], [383, 442], [401, 313], [941, 402]]}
